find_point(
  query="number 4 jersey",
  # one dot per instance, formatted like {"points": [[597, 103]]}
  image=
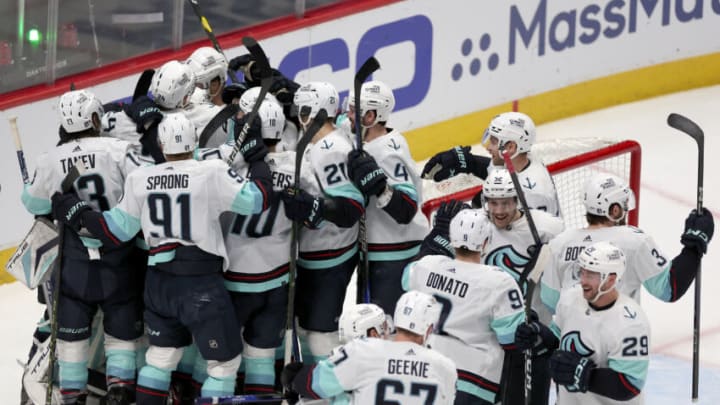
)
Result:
{"points": [[377, 371], [617, 338]]}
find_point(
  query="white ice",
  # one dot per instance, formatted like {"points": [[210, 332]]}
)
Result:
{"points": [[669, 170]]}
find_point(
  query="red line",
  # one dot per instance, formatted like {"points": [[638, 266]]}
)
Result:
{"points": [[703, 333]]}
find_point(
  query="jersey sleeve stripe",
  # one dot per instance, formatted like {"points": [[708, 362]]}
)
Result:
{"points": [[549, 296], [35, 205], [120, 224], [505, 326], [659, 285]]}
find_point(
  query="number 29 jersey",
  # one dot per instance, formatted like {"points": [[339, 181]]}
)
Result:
{"points": [[377, 371]]}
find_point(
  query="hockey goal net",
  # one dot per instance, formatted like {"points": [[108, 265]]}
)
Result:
{"points": [[571, 163]]}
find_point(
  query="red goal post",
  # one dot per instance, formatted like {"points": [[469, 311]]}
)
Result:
{"points": [[621, 158]]}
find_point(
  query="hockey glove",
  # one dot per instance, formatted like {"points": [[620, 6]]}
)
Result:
{"points": [[571, 370], [445, 214], [288, 374], [283, 89], [303, 207], [233, 92], [68, 209], [449, 163], [253, 148], [699, 229], [534, 335], [365, 173], [144, 112]]}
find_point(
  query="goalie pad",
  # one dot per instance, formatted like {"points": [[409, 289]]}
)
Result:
{"points": [[36, 374], [33, 260]]}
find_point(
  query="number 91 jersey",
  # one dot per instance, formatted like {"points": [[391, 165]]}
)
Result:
{"points": [[617, 338], [378, 371]]}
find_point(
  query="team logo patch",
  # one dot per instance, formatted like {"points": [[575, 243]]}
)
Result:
{"points": [[508, 259]]}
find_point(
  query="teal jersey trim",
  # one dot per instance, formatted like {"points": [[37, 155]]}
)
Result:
{"points": [[35, 205], [405, 281], [162, 257], [91, 243], [327, 263], [505, 327], [549, 296], [555, 329], [123, 225], [249, 200], [659, 285], [256, 287], [393, 256], [407, 188], [324, 381], [635, 370], [475, 390], [347, 191]]}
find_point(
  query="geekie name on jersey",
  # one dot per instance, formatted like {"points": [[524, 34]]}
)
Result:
{"points": [[408, 367]]}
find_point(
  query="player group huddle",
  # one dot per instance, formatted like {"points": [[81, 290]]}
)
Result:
{"points": [[186, 251]]}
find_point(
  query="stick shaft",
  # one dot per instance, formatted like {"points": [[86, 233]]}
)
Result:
{"points": [[19, 150]]}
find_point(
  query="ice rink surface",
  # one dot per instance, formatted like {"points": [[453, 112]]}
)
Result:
{"points": [[669, 168]]}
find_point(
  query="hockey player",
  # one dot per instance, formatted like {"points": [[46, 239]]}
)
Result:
{"points": [[395, 225], [210, 69], [511, 131], [177, 205], [510, 246], [363, 320], [481, 308], [401, 370], [92, 277], [607, 200], [329, 206], [604, 334]]}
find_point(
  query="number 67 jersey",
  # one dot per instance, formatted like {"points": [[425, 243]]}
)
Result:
{"points": [[617, 338], [377, 371]]}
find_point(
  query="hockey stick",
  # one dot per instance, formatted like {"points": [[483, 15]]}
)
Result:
{"points": [[687, 126], [66, 185], [525, 281], [265, 83], [143, 84], [362, 74], [211, 35], [292, 345], [19, 150]]}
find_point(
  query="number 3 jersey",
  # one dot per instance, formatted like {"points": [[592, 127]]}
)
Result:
{"points": [[617, 338], [388, 239], [181, 202], [107, 162], [646, 265], [481, 308], [377, 371]]}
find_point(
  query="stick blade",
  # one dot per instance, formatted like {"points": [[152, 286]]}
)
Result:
{"points": [[256, 51], [143, 84], [684, 124], [367, 68]]}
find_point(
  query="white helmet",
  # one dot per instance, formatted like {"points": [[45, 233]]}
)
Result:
{"points": [[207, 64], [604, 258], [76, 110], [467, 230], [270, 112], [314, 96], [499, 184], [177, 134], [171, 84], [375, 95], [512, 126], [416, 311], [604, 190], [357, 320]]}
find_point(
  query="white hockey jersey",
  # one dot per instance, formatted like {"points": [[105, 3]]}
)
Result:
{"points": [[181, 202], [378, 371], [118, 124], [107, 162], [617, 338], [481, 308], [646, 264], [327, 160], [539, 187], [200, 115], [385, 235], [259, 245]]}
